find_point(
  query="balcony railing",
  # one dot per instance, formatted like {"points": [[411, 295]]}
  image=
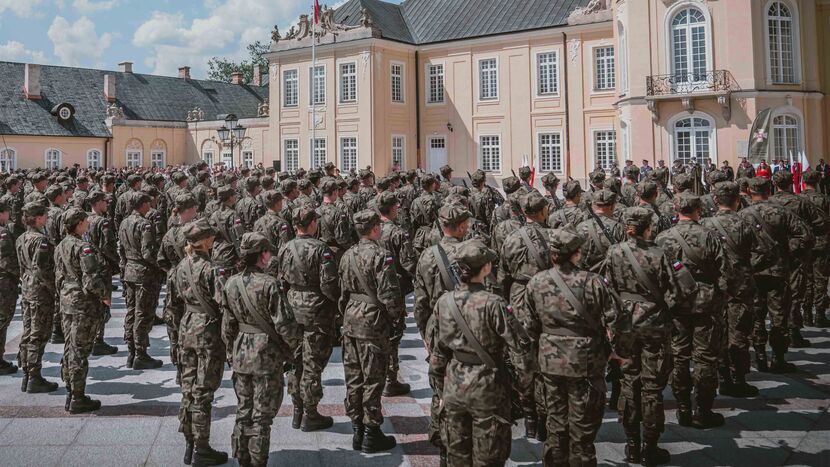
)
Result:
{"points": [[713, 81]]}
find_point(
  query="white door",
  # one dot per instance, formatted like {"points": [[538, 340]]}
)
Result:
{"points": [[437, 153]]}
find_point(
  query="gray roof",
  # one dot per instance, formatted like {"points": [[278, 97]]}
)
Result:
{"points": [[142, 97], [431, 21]]}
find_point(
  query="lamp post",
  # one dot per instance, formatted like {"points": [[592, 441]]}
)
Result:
{"points": [[231, 132]]}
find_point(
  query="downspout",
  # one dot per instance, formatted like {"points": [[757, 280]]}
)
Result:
{"points": [[106, 152], [417, 112], [565, 93]]}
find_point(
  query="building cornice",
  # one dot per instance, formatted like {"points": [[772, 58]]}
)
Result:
{"points": [[200, 124]]}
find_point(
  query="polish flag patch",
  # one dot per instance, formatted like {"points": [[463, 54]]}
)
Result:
{"points": [[390, 260], [87, 250], [677, 265]]}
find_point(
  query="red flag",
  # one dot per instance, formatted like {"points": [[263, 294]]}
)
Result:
{"points": [[316, 12]]}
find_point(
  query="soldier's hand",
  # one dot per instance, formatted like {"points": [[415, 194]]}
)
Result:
{"points": [[107, 302]]}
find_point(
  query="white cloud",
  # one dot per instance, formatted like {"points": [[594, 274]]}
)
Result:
{"points": [[76, 43], [15, 51], [21, 8], [89, 6]]}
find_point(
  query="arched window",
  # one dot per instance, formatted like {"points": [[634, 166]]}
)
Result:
{"points": [[52, 158], [158, 154], [7, 159], [135, 153], [694, 139], [689, 46], [781, 37], [93, 158], [786, 137]]}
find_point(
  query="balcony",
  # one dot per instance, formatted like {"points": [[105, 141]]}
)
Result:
{"points": [[687, 87]]}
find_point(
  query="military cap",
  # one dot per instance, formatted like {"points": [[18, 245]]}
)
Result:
{"points": [[288, 185], [224, 193], [81, 180], [251, 183], [385, 182], [94, 196], [329, 186], [185, 201], [604, 197], [133, 179], [352, 182], [571, 189], [411, 174], [387, 200], [682, 182], [342, 184], [638, 217], [812, 177], [759, 185], [303, 215], [230, 178], [646, 189], [631, 171], [743, 184], [34, 209], [4, 207], [366, 219], [511, 184], [460, 190], [72, 217], [300, 173], [612, 183], [550, 180], [525, 172], [283, 176], [446, 171], [138, 199], [304, 184], [198, 230], [365, 173], [13, 179], [453, 214], [427, 181], [253, 242], [267, 181], [329, 166], [478, 177], [201, 177], [783, 178], [315, 174], [272, 197], [473, 255], [533, 202], [158, 178], [716, 176], [53, 192], [597, 177], [38, 177], [150, 191], [687, 203], [457, 200], [107, 180], [564, 241], [727, 190]]}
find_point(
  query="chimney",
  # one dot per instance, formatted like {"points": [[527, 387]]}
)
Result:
{"points": [[236, 77], [126, 67], [31, 81], [109, 88], [184, 72], [257, 76]]}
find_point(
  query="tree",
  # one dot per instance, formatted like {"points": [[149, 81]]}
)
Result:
{"points": [[220, 68]]}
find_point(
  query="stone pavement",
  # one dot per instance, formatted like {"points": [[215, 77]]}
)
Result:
{"points": [[787, 425]]}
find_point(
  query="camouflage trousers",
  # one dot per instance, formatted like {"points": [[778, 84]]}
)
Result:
{"points": [[436, 418], [394, 359], [305, 381], [258, 400], [816, 296], [365, 363], [141, 300], [38, 315], [737, 320], [201, 377], [695, 339], [645, 374], [80, 331], [8, 302], [172, 318], [801, 276], [771, 300], [574, 414]]}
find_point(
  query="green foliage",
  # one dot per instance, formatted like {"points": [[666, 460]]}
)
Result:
{"points": [[220, 68]]}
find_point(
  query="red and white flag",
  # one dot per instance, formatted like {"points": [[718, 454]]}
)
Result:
{"points": [[316, 12]]}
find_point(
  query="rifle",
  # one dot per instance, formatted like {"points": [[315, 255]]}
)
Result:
{"points": [[513, 172], [465, 183], [601, 225], [469, 176]]}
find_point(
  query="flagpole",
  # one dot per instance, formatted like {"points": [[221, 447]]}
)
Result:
{"points": [[313, 83]]}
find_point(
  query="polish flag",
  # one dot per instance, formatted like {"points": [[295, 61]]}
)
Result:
{"points": [[316, 12], [527, 163]]}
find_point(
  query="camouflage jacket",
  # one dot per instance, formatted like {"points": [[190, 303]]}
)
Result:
{"points": [[704, 258], [9, 267], [196, 286], [596, 242], [778, 233], [334, 228], [377, 313], [508, 210], [517, 264], [81, 276], [571, 341], [304, 200], [822, 204], [158, 220], [123, 206], [36, 197], [570, 215], [202, 194], [482, 204], [353, 202], [806, 211], [554, 202], [429, 285], [79, 199], [424, 211], [738, 239], [14, 202], [395, 240], [137, 249], [278, 232], [366, 193], [249, 210], [256, 353], [308, 267], [36, 257], [102, 237], [502, 231], [710, 207], [171, 250], [628, 194], [229, 232], [660, 222], [54, 225]]}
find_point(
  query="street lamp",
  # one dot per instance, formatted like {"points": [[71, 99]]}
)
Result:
{"points": [[231, 132]]}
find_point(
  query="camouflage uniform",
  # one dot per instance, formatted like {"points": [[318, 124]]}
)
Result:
{"points": [[596, 242], [278, 232], [102, 236], [424, 215], [10, 284], [333, 225], [816, 296], [14, 201], [571, 214], [229, 230], [248, 208]]}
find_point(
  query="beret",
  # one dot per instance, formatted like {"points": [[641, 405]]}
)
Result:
{"points": [[604, 197], [198, 230], [225, 192], [34, 209], [638, 217], [564, 241], [303, 215], [185, 201], [473, 255], [571, 189], [533, 202], [453, 214], [253, 242], [73, 217], [511, 184], [387, 199], [366, 219], [687, 203]]}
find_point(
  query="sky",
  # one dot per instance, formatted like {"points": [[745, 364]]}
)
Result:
{"points": [[158, 36]]}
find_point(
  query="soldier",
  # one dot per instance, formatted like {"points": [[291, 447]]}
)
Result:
{"points": [[696, 337], [12, 199], [248, 208], [475, 328], [304, 198], [37, 270], [102, 237], [396, 241], [9, 283], [571, 311], [504, 211], [124, 200], [648, 287], [202, 190], [446, 182], [81, 276], [597, 229], [710, 207], [260, 335], [738, 239], [779, 235], [424, 214], [138, 251], [525, 173], [597, 182], [816, 296], [406, 195], [290, 192], [228, 228], [629, 189], [333, 226], [80, 193], [367, 187], [37, 195], [647, 198], [196, 286], [571, 213], [307, 267], [274, 227], [745, 169], [551, 183], [351, 198]]}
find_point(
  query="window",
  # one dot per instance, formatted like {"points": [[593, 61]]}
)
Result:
{"points": [[133, 158], [7, 160], [318, 154], [397, 82], [93, 158], [786, 138], [780, 32], [490, 160], [547, 73], [53, 158], [348, 154], [348, 82], [689, 55], [291, 154], [604, 79], [550, 152], [207, 156], [248, 158], [435, 83], [398, 152], [488, 79], [693, 140], [227, 158], [157, 159], [623, 58], [290, 85], [605, 148], [318, 85]]}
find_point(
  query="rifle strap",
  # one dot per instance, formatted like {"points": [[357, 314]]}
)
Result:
{"points": [[645, 280], [764, 228], [729, 240], [570, 297], [687, 249], [562, 217], [194, 287], [592, 232], [261, 323], [455, 312], [443, 266], [533, 251], [364, 284]]}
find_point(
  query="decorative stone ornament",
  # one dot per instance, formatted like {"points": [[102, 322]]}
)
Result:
{"points": [[596, 11], [115, 111]]}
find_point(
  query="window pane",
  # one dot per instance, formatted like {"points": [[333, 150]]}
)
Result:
{"points": [[550, 152], [397, 83], [318, 85], [348, 82], [490, 153], [291, 154], [290, 88], [604, 68], [605, 148], [488, 79], [436, 84], [348, 154], [318, 155], [397, 152], [547, 73]]}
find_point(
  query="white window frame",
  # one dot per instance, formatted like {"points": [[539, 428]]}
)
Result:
{"points": [[595, 147], [610, 69], [401, 148], [296, 88], [401, 82], [311, 88], [208, 157], [312, 155], [53, 164], [428, 84], [481, 149], [131, 153], [292, 164], [158, 152], [669, 28], [226, 157], [796, 43], [97, 161], [560, 145], [345, 168], [9, 161], [795, 113], [248, 158], [343, 85], [491, 74], [555, 70], [713, 139]]}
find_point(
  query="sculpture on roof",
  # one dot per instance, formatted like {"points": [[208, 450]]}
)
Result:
{"points": [[304, 27], [275, 34], [195, 115], [595, 11], [264, 109], [115, 111], [365, 19], [327, 23]]}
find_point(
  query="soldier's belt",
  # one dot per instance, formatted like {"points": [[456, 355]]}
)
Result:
{"points": [[564, 332], [359, 297], [246, 328], [635, 297], [466, 357], [305, 288]]}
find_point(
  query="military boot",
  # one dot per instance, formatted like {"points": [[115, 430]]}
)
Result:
{"points": [[297, 420], [206, 455], [24, 382], [158, 320], [705, 419], [102, 348], [531, 425], [740, 388], [797, 341], [82, 404], [57, 333], [145, 362], [375, 441], [821, 320], [130, 359], [68, 401], [781, 365], [37, 384], [394, 388], [313, 421], [357, 437], [7, 368], [684, 411], [188, 451], [633, 454], [654, 455], [761, 360]]}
